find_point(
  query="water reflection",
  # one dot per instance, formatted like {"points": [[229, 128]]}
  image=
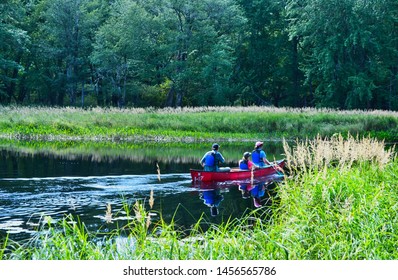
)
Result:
{"points": [[259, 190], [27, 204], [255, 190], [51, 159], [212, 198], [40, 182]]}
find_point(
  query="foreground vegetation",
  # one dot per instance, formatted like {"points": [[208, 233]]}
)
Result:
{"points": [[339, 201], [192, 124]]}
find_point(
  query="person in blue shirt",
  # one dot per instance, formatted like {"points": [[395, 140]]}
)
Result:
{"points": [[245, 163], [259, 157], [211, 160]]}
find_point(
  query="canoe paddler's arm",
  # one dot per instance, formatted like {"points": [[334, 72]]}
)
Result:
{"points": [[274, 164], [251, 165], [202, 161], [267, 162], [221, 158]]}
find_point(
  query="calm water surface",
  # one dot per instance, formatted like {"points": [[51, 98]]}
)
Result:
{"points": [[41, 184]]}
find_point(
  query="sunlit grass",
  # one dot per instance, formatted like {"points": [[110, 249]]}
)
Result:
{"points": [[340, 214], [341, 199], [192, 124]]}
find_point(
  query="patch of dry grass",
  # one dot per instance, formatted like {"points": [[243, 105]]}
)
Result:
{"points": [[336, 150]]}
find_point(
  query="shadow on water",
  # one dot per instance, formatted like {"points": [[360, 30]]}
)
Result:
{"points": [[45, 182]]}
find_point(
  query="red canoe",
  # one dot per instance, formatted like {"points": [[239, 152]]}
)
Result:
{"points": [[233, 173]]}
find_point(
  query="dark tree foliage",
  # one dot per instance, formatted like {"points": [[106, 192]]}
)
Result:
{"points": [[297, 53]]}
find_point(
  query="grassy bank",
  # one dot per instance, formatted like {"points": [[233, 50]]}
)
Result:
{"points": [[192, 124], [341, 204]]}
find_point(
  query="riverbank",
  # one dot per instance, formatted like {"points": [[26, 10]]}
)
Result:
{"points": [[205, 124]]}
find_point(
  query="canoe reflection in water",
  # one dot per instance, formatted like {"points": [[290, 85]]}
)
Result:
{"points": [[258, 190]]}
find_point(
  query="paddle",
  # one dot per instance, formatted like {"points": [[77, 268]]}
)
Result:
{"points": [[277, 168]]}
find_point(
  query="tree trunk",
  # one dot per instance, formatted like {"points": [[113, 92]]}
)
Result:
{"points": [[10, 88], [170, 97], [70, 84], [82, 94], [180, 95], [295, 91]]}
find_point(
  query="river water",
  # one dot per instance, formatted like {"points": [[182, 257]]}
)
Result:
{"points": [[45, 182]]}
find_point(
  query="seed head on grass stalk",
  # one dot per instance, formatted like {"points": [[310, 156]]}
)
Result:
{"points": [[158, 170], [151, 200], [108, 214], [139, 226]]}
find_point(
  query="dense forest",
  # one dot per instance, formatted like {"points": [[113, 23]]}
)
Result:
{"points": [[298, 53]]}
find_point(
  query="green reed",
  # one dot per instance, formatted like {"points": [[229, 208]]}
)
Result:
{"points": [[341, 213]]}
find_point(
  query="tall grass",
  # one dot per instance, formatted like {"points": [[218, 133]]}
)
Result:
{"points": [[341, 201], [336, 150], [192, 124], [340, 214]]}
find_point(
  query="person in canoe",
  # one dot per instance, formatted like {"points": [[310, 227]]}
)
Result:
{"points": [[211, 160], [245, 163], [259, 157]]}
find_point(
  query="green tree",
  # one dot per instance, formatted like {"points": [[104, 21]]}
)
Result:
{"points": [[203, 38], [63, 42], [124, 46], [268, 68], [342, 46], [14, 42], [181, 51], [385, 20]]}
